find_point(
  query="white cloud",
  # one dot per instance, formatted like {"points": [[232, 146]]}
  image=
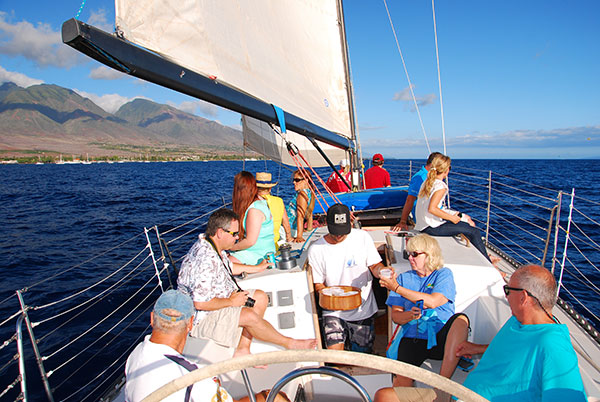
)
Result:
{"points": [[109, 102], [105, 73], [405, 96], [197, 107], [38, 43], [588, 136], [99, 20], [20, 79]]}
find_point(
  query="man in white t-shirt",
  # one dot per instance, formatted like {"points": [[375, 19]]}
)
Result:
{"points": [[158, 360], [346, 257]]}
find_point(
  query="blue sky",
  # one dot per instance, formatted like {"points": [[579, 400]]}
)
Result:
{"points": [[520, 79]]}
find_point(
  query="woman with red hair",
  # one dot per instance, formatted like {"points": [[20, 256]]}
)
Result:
{"points": [[256, 227]]}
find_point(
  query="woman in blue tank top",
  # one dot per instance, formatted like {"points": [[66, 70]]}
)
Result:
{"points": [[256, 226]]}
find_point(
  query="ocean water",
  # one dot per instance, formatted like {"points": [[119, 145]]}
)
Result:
{"points": [[56, 217]]}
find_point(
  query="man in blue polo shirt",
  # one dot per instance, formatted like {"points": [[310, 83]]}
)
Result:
{"points": [[413, 193], [531, 358]]}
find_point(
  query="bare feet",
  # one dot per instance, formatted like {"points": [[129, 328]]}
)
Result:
{"points": [[302, 343], [243, 352]]}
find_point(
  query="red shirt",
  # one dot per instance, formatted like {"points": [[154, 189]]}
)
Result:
{"points": [[336, 185], [376, 177]]}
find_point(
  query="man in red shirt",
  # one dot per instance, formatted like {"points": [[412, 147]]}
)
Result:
{"points": [[335, 184], [377, 176]]}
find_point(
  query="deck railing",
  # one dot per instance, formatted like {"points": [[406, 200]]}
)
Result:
{"points": [[104, 303], [533, 224]]}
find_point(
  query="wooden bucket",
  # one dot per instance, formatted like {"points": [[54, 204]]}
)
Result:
{"points": [[332, 298]]}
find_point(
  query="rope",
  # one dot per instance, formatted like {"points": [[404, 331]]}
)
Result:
{"points": [[86, 289], [86, 302], [582, 305], [98, 323], [10, 386], [80, 9], [331, 356], [116, 336], [126, 352], [437, 58], [410, 85], [84, 262], [590, 285]]}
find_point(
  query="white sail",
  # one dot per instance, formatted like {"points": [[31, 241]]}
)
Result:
{"points": [[285, 52], [259, 137]]}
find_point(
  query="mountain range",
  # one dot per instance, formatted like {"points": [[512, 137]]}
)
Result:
{"points": [[49, 119]]}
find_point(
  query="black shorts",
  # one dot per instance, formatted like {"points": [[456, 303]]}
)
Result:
{"points": [[414, 351]]}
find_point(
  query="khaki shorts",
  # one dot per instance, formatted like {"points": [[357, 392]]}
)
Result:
{"points": [[222, 326]]}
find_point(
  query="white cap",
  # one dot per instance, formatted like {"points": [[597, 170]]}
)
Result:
{"points": [[344, 162]]}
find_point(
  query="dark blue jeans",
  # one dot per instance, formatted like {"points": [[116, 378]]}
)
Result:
{"points": [[451, 229]]}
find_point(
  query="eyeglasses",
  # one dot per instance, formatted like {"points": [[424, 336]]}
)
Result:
{"points": [[415, 254], [234, 234], [296, 180], [507, 290]]}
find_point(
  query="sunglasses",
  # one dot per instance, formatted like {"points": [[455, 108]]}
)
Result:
{"points": [[234, 234], [507, 290], [415, 254], [296, 180]]}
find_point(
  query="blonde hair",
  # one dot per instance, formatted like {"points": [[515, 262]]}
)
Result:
{"points": [[427, 244], [439, 164]]}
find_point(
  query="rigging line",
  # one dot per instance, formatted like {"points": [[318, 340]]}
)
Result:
{"points": [[10, 386], [90, 287], [584, 256], [104, 346], [7, 298], [127, 351], [515, 245], [85, 262], [101, 321], [581, 304], [8, 341], [80, 9], [197, 217], [522, 239], [107, 332], [518, 217], [590, 285], [12, 359], [410, 85], [536, 195], [588, 200], [87, 301], [309, 179], [525, 182], [10, 318], [587, 217], [592, 245], [186, 233], [437, 57], [204, 205]]}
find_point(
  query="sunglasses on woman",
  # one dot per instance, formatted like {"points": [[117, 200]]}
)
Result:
{"points": [[296, 180], [415, 254]]}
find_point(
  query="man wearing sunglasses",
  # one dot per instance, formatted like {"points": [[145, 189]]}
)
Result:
{"points": [[531, 358], [225, 313]]}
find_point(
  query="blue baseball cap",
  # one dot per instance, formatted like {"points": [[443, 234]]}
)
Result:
{"points": [[174, 300]]}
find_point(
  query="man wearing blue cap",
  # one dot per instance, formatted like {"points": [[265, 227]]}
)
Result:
{"points": [[158, 360]]}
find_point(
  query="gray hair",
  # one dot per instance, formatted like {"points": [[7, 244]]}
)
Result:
{"points": [[220, 219], [160, 324], [539, 282]]}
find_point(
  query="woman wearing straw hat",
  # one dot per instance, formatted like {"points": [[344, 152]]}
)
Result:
{"points": [[280, 219]]}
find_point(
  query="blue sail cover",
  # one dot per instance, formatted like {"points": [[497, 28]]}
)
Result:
{"points": [[376, 198]]}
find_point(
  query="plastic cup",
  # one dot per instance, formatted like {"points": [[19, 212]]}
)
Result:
{"points": [[385, 273]]}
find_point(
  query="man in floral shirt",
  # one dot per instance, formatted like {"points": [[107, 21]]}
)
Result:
{"points": [[223, 315]]}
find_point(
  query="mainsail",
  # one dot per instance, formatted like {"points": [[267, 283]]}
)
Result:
{"points": [[289, 53]]}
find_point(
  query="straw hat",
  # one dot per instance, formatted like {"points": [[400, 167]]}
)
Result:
{"points": [[263, 180]]}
